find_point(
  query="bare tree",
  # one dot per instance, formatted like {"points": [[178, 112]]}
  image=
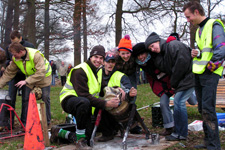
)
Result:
{"points": [[84, 29], [2, 23], [119, 13], [29, 30], [8, 23], [46, 29], [16, 14], [77, 32]]}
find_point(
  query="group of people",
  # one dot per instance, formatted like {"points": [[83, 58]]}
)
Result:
{"points": [[26, 68], [171, 67], [62, 71]]}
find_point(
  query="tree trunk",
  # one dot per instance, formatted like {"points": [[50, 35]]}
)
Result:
{"points": [[16, 15], [8, 23], [2, 24], [85, 29], [119, 13], [29, 31], [46, 29], [77, 32]]}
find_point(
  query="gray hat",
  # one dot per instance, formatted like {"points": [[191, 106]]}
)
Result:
{"points": [[152, 38], [98, 50]]}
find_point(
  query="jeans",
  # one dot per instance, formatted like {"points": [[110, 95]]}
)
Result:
{"points": [[79, 107], [206, 87], [168, 121], [45, 98], [13, 92], [180, 113], [53, 79], [192, 99]]}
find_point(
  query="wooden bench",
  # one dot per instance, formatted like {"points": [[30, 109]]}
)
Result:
{"points": [[220, 96]]}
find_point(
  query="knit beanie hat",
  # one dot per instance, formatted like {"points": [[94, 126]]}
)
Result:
{"points": [[125, 44], [98, 50], [138, 49], [152, 38]]}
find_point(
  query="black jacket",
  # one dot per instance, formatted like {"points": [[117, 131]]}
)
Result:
{"points": [[175, 60], [9, 55]]}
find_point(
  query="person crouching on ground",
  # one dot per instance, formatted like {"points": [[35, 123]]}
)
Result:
{"points": [[81, 92], [113, 78]]}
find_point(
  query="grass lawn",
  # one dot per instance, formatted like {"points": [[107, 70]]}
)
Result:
{"points": [[145, 97]]}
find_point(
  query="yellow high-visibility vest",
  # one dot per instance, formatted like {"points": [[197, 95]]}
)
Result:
{"points": [[205, 45], [30, 66], [94, 84], [115, 79]]}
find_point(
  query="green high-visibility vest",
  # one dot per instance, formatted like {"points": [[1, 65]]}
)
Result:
{"points": [[205, 45], [115, 79], [94, 84], [30, 66]]}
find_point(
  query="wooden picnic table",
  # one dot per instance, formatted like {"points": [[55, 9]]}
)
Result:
{"points": [[220, 96]]}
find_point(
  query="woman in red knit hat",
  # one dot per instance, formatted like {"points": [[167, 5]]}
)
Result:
{"points": [[125, 63]]}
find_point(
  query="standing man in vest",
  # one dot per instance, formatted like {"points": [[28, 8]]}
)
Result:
{"points": [[81, 93], [207, 67], [37, 69], [15, 36], [114, 78]]}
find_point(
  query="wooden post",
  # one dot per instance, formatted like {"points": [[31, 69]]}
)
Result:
{"points": [[44, 124]]}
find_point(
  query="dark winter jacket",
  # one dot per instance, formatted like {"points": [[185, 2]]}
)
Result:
{"points": [[129, 67], [9, 55], [175, 60], [159, 81], [53, 68]]}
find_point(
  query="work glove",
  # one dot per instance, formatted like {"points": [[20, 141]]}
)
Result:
{"points": [[212, 66]]}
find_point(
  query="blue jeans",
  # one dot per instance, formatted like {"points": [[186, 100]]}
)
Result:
{"points": [[45, 98], [53, 79], [168, 121], [180, 113], [192, 99], [206, 87]]}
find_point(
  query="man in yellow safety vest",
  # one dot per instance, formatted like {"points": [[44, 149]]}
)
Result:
{"points": [[37, 69], [207, 67], [81, 92]]}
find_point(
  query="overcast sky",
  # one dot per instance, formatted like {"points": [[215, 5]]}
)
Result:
{"points": [[160, 28]]}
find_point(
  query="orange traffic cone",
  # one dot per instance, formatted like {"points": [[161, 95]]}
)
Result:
{"points": [[33, 135]]}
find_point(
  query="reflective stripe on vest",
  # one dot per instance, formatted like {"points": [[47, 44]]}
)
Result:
{"points": [[94, 85], [206, 47], [115, 79], [30, 66]]}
